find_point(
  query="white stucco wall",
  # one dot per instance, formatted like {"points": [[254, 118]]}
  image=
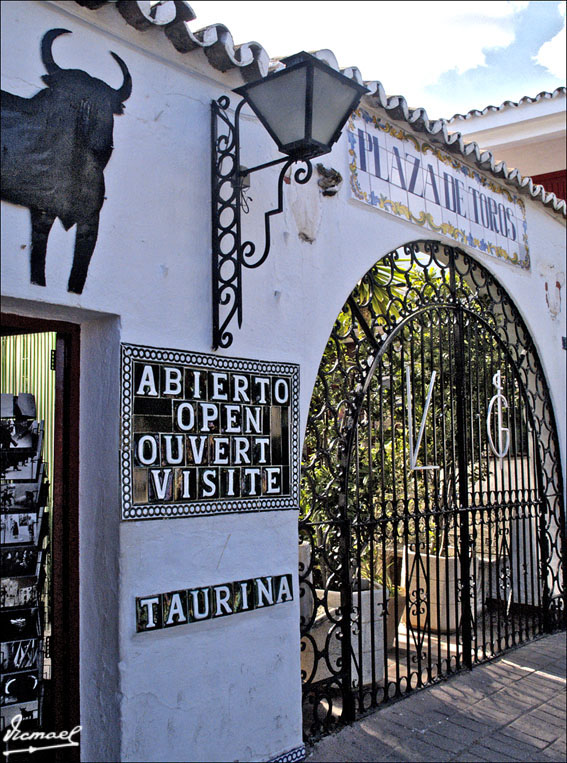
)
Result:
{"points": [[227, 689]]}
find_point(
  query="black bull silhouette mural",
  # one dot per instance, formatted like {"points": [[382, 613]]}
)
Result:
{"points": [[55, 147]]}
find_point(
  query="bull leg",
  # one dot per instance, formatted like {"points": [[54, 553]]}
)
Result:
{"points": [[41, 223], [84, 247]]}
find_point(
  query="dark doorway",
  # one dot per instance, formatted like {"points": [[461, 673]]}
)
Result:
{"points": [[40, 386]]}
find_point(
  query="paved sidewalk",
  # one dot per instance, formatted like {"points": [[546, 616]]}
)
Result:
{"points": [[512, 709]]}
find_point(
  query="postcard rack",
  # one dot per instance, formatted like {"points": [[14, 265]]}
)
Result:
{"points": [[24, 544]]}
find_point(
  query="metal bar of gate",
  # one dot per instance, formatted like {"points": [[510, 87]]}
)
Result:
{"points": [[464, 539], [349, 708]]}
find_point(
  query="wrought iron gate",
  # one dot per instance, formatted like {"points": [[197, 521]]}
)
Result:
{"points": [[432, 522]]}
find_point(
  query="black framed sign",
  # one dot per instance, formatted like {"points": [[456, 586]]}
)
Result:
{"points": [[203, 434]]}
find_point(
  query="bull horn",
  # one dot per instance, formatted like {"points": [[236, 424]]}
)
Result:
{"points": [[125, 91], [46, 43]]}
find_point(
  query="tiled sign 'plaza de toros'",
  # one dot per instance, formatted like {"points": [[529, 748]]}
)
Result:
{"points": [[392, 170]]}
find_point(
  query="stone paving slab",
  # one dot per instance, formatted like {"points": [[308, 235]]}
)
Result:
{"points": [[512, 709]]}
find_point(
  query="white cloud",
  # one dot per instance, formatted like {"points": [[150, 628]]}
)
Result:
{"points": [[406, 45], [395, 42], [424, 40], [552, 53], [436, 35]]}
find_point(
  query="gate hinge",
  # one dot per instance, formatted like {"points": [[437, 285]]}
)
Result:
{"points": [[52, 364]]}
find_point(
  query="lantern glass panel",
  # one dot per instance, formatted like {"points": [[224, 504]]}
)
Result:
{"points": [[332, 103], [280, 102]]}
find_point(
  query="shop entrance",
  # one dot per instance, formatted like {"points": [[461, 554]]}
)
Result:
{"points": [[432, 509], [39, 513]]}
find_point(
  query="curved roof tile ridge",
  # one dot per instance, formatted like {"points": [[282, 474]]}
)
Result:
{"points": [[254, 62], [439, 132], [215, 40], [544, 95]]}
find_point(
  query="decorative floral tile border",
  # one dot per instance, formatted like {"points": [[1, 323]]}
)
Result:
{"points": [[380, 194]]}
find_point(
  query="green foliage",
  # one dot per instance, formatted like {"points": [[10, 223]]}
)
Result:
{"points": [[357, 446]]}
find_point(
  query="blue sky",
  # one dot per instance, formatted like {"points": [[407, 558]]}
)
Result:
{"points": [[514, 70], [446, 56]]}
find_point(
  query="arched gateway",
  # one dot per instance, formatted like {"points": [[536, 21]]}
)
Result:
{"points": [[432, 507]]}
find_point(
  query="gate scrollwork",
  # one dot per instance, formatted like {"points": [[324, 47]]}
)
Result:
{"points": [[409, 573]]}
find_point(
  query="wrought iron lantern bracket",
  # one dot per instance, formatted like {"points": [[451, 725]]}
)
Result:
{"points": [[303, 107], [230, 253]]}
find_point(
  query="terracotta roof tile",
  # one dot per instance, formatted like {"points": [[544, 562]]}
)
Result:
{"points": [[543, 96], [254, 62]]}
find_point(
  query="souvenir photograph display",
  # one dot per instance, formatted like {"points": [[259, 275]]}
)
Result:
{"points": [[18, 592], [28, 711], [24, 529], [17, 561], [20, 406], [15, 496], [19, 624], [22, 463], [19, 655], [21, 435], [19, 687]]}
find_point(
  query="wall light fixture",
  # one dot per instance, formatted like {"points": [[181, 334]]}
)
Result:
{"points": [[304, 108]]}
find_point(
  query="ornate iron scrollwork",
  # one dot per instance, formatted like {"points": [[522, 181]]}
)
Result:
{"points": [[434, 569], [230, 253]]}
